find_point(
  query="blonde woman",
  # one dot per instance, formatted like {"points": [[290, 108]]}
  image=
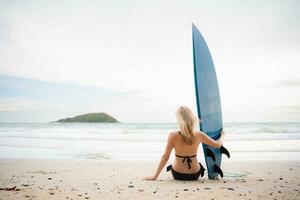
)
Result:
{"points": [[185, 142]]}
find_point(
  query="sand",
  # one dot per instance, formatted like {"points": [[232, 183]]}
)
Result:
{"points": [[109, 179]]}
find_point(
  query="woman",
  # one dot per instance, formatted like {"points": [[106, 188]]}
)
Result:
{"points": [[185, 142]]}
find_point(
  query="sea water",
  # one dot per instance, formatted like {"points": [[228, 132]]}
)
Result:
{"points": [[140, 141]]}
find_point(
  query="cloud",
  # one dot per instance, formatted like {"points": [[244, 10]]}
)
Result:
{"points": [[288, 83], [20, 104], [124, 56], [13, 86], [34, 100], [293, 108], [18, 93]]}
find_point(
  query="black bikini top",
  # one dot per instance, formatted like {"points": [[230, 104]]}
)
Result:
{"points": [[187, 158]]}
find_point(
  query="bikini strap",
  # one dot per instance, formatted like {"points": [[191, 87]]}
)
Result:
{"points": [[169, 168], [187, 158]]}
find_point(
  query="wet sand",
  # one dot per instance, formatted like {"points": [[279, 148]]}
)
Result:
{"points": [[109, 179]]}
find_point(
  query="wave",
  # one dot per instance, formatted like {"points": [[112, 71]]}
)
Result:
{"points": [[148, 137], [110, 139]]}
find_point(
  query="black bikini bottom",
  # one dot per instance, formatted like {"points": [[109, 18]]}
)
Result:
{"points": [[182, 176]]}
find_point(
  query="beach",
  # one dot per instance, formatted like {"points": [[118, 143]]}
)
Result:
{"points": [[94, 95], [111, 179], [109, 161]]}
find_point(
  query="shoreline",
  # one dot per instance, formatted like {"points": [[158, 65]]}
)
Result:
{"points": [[116, 179]]}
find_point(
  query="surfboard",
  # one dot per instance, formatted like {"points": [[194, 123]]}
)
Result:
{"points": [[208, 101]]}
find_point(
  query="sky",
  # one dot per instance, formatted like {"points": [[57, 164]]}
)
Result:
{"points": [[133, 59]]}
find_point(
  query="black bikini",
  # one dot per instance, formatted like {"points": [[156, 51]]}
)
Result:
{"points": [[183, 176]]}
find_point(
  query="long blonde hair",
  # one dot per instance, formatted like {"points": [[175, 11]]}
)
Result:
{"points": [[186, 122]]}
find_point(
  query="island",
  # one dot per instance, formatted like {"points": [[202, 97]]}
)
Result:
{"points": [[91, 118]]}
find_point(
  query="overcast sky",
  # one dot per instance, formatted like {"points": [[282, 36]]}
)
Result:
{"points": [[133, 59]]}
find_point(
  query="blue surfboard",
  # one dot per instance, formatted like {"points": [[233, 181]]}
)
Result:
{"points": [[208, 101]]}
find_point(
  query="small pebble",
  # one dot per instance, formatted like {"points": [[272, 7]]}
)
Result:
{"points": [[230, 189], [185, 190]]}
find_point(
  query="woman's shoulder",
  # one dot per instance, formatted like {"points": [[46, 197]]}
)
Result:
{"points": [[198, 133], [177, 133], [174, 134]]}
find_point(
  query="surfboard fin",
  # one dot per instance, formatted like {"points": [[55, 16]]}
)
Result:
{"points": [[225, 151], [218, 170], [210, 154]]}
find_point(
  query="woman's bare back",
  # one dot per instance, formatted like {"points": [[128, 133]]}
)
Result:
{"points": [[184, 149]]}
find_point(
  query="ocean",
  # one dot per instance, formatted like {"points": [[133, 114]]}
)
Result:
{"points": [[140, 141]]}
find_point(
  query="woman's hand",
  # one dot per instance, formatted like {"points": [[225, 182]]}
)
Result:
{"points": [[150, 178], [222, 132], [220, 140]]}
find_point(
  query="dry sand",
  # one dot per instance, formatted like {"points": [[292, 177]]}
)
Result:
{"points": [[109, 179]]}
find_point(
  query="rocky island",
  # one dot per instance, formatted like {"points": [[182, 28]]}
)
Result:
{"points": [[90, 118]]}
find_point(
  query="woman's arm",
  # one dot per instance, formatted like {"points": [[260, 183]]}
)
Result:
{"points": [[164, 159], [214, 143]]}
